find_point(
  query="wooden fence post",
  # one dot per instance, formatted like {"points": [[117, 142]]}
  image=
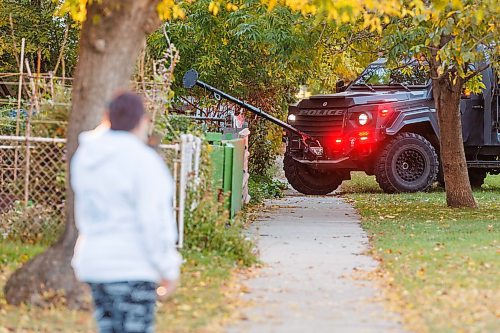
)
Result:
{"points": [[19, 96]]}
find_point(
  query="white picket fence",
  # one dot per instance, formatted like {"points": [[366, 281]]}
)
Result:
{"points": [[32, 169], [186, 175]]}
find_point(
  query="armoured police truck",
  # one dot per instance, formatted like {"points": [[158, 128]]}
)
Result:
{"points": [[385, 124]]}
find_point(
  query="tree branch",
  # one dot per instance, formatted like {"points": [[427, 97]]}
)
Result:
{"points": [[61, 52], [13, 39], [474, 73], [321, 34]]}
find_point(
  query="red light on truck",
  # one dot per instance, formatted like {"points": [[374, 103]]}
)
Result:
{"points": [[338, 141], [364, 134], [384, 112]]}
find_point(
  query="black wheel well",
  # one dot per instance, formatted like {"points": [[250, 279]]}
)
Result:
{"points": [[424, 129]]}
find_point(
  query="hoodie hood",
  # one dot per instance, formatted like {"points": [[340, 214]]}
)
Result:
{"points": [[99, 146]]}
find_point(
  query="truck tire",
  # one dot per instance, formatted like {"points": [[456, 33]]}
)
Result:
{"points": [[476, 177], [408, 163], [309, 181]]}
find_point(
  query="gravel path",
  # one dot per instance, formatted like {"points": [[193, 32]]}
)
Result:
{"points": [[310, 247]]}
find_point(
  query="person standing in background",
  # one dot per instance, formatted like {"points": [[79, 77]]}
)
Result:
{"points": [[126, 249]]}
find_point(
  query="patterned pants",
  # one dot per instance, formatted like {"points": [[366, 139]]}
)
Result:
{"points": [[124, 307]]}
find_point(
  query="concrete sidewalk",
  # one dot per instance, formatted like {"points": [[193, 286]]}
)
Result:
{"points": [[310, 246]]}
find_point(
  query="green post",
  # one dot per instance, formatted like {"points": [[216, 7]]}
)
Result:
{"points": [[228, 174], [237, 170], [217, 157]]}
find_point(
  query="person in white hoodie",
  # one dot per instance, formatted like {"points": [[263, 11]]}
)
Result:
{"points": [[126, 249]]}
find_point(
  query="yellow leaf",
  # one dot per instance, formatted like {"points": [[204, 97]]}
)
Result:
{"points": [[271, 4]]}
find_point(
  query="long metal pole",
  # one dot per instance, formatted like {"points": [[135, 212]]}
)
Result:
{"points": [[253, 109]]}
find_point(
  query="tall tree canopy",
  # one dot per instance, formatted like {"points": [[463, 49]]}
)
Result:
{"points": [[245, 49], [44, 33], [258, 55], [342, 53]]}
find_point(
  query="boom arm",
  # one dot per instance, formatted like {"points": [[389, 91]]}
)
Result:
{"points": [[312, 146]]}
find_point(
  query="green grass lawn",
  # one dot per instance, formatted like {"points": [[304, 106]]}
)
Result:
{"points": [[203, 302], [440, 265]]}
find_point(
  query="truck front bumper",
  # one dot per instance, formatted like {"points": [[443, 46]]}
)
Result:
{"points": [[340, 163]]}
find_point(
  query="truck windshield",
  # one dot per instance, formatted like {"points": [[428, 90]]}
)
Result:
{"points": [[414, 74]]}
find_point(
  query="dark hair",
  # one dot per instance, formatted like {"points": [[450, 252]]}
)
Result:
{"points": [[125, 111]]}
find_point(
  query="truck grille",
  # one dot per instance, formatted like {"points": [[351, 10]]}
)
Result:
{"points": [[318, 125]]}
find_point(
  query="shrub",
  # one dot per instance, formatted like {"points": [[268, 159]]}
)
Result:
{"points": [[265, 187], [207, 224], [33, 224]]}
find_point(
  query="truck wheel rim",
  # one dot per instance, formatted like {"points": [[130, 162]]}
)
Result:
{"points": [[410, 165]]}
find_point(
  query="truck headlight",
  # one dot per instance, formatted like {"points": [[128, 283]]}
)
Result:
{"points": [[291, 118], [363, 119]]}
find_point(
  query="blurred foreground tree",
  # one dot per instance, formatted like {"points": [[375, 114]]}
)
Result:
{"points": [[112, 35]]}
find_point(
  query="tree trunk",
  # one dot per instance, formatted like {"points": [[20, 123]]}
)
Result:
{"points": [[110, 41], [447, 96]]}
